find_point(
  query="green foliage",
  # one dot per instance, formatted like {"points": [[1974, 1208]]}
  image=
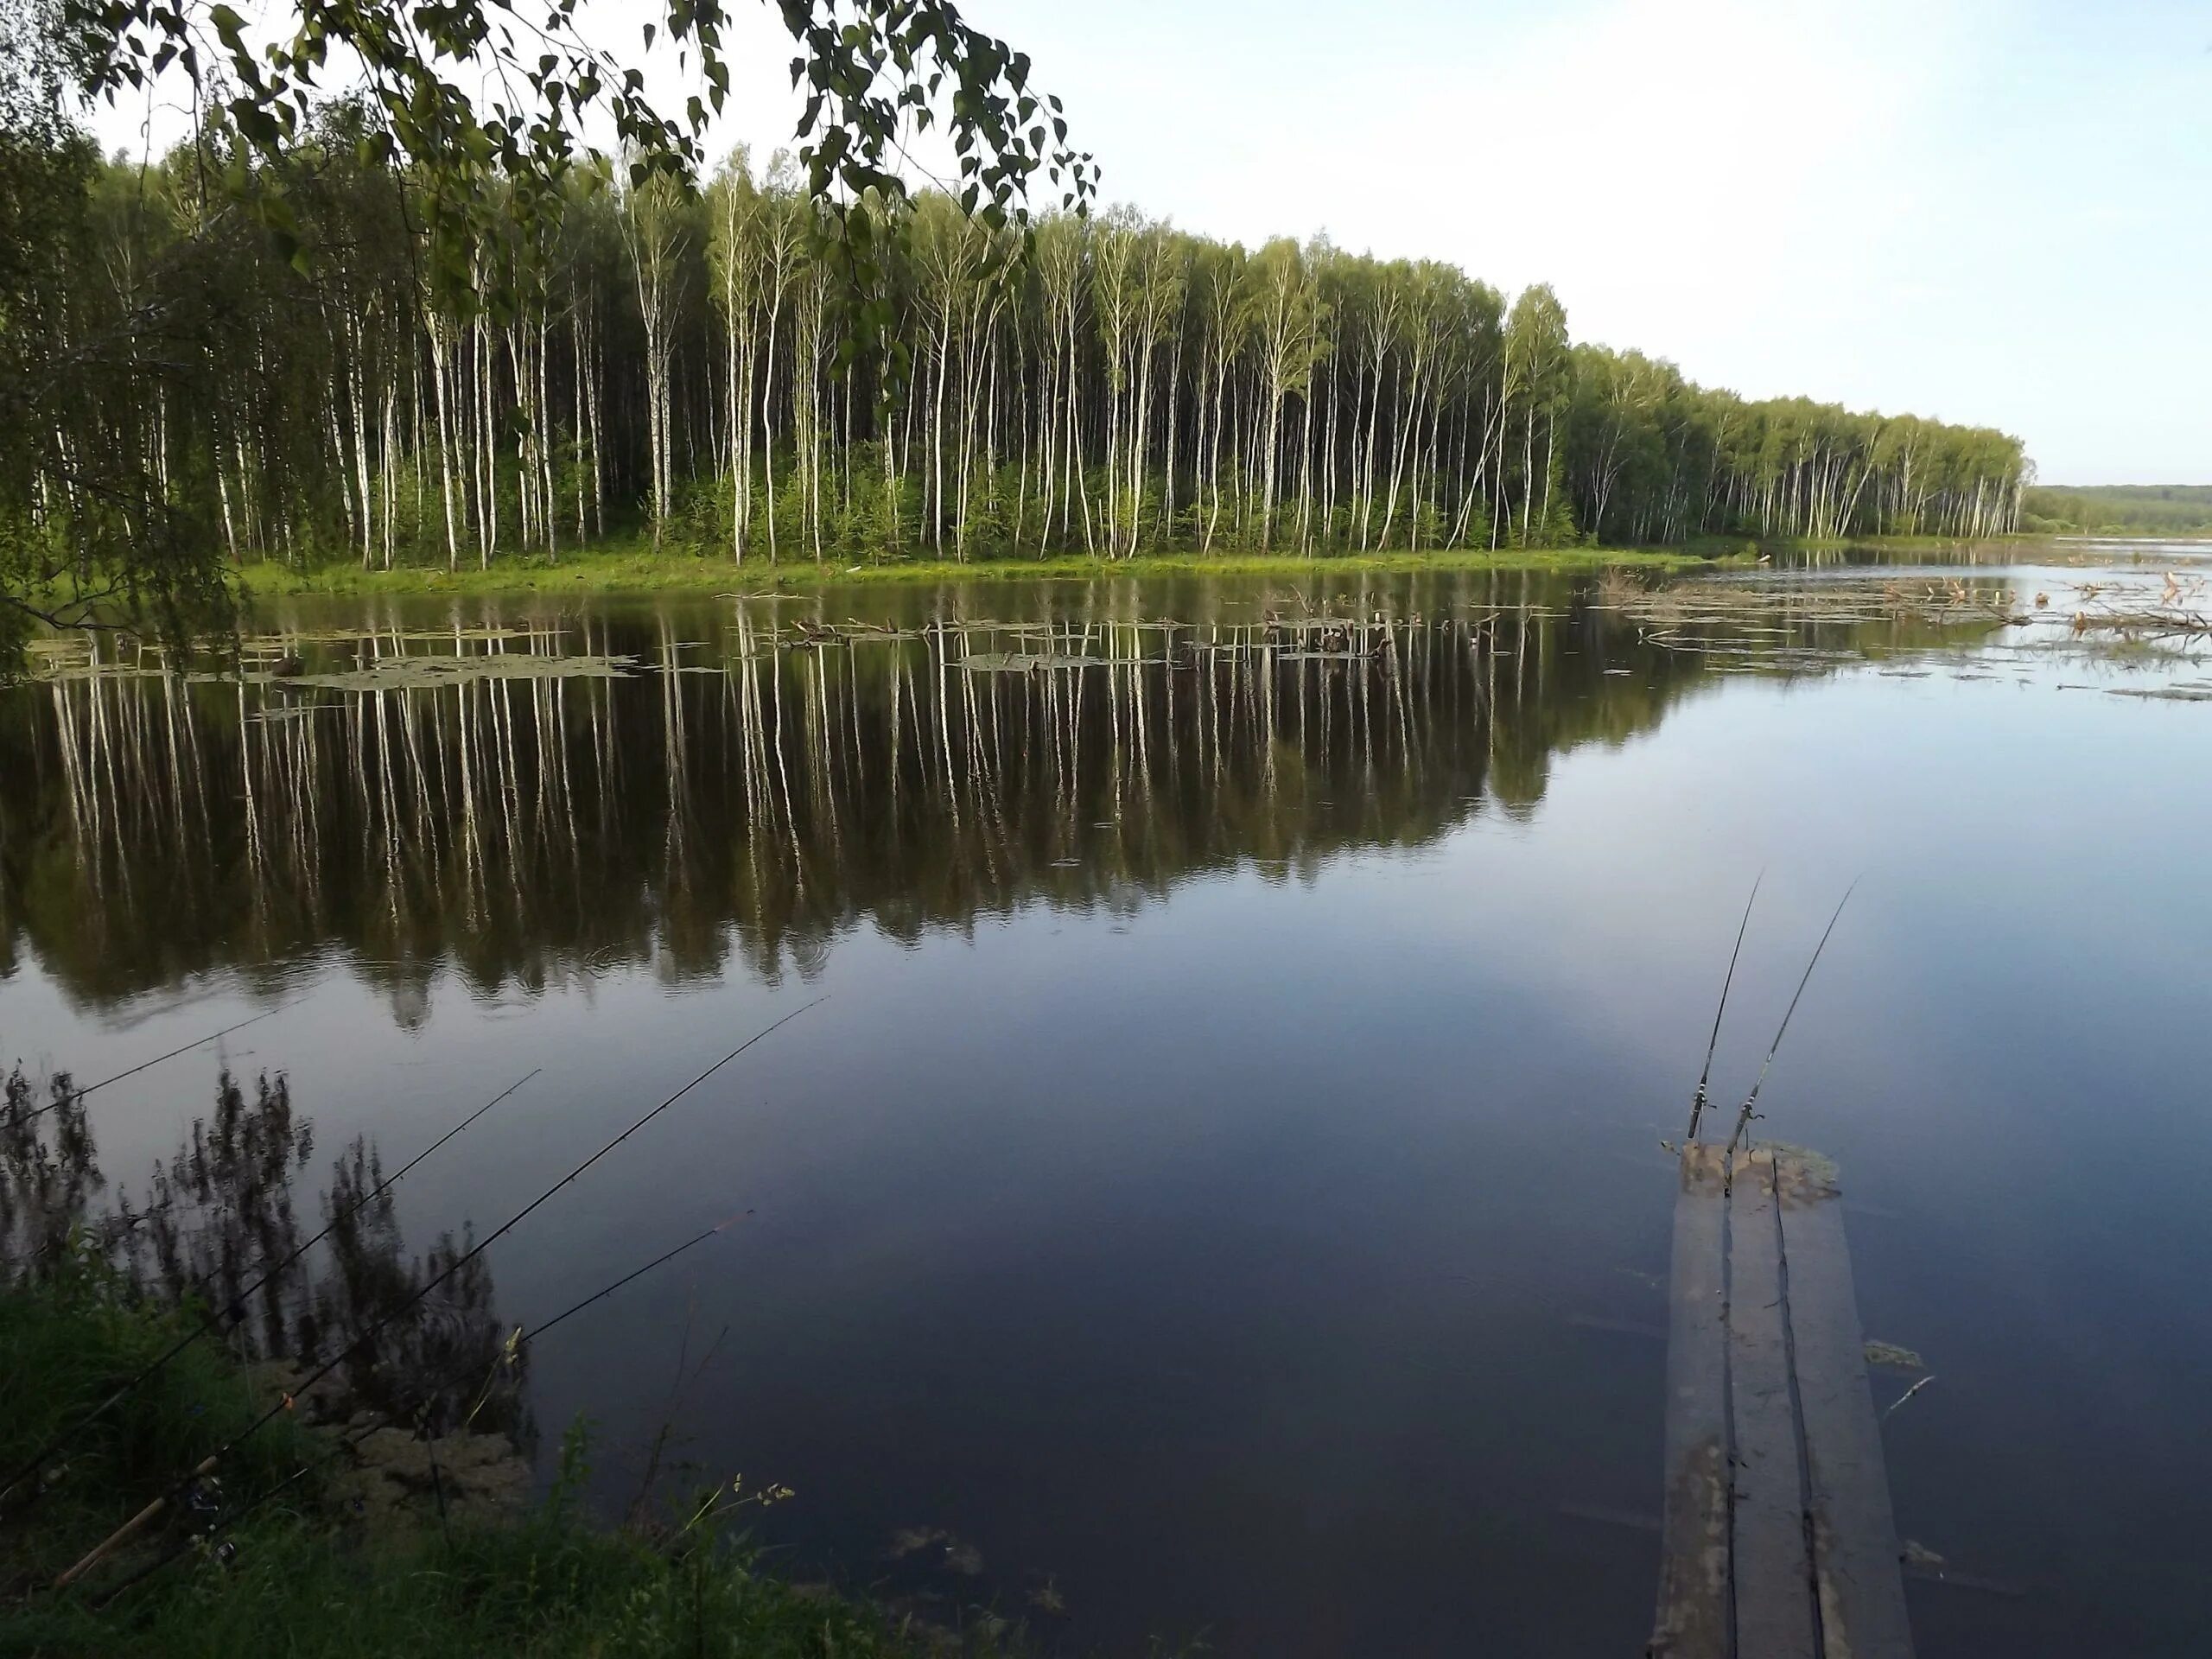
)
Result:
{"points": [[155, 408], [299, 1580], [86, 534], [1130, 391], [1652, 457], [613, 351], [2147, 509], [499, 165], [79, 1333]]}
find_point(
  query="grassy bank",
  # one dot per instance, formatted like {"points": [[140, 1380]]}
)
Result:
{"points": [[304, 1575], [635, 566]]}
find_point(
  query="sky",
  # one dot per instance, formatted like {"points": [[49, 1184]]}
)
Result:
{"points": [[1989, 213]]}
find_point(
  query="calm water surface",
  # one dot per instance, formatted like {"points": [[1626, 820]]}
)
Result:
{"points": [[1218, 1191]]}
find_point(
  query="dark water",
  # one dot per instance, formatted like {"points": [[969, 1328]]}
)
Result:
{"points": [[1221, 1191]]}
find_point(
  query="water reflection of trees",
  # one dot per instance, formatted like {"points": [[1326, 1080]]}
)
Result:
{"points": [[220, 1212], [739, 786]]}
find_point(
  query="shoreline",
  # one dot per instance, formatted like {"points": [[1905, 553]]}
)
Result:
{"points": [[631, 567], [432, 1547]]}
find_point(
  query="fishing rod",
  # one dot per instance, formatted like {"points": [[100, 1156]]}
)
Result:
{"points": [[721, 1226], [1698, 1101], [77, 1095], [522, 1339], [1743, 1117], [384, 1420], [284, 1400], [213, 1323]]}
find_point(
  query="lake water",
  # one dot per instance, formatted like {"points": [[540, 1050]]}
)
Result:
{"points": [[1215, 1187]]}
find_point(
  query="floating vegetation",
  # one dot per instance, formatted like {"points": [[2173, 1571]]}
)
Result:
{"points": [[1816, 1169], [2126, 621], [71, 647], [419, 673], [77, 673], [1792, 623], [1895, 1357], [910, 1541], [1022, 662], [289, 638], [938, 1547], [2177, 610], [399, 671], [1757, 659], [286, 712]]}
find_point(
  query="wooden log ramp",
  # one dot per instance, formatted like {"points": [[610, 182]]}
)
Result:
{"points": [[1777, 1538]]}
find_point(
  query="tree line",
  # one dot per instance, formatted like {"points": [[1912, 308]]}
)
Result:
{"points": [[2148, 509], [669, 361]]}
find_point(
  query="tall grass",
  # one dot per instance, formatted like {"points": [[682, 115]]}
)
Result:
{"points": [[303, 1577], [636, 566]]}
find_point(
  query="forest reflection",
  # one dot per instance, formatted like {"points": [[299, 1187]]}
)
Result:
{"points": [[564, 792]]}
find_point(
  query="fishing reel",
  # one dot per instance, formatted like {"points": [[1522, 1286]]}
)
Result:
{"points": [[203, 1502]]}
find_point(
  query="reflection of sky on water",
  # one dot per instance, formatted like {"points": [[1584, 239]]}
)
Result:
{"points": [[1218, 1254]]}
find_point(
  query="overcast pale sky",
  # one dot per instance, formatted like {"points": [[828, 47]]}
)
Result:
{"points": [[1990, 213]]}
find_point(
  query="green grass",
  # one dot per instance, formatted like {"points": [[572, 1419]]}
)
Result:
{"points": [[633, 565], [303, 1582], [67, 1344]]}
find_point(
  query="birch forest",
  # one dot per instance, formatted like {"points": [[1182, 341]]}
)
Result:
{"points": [[1112, 386]]}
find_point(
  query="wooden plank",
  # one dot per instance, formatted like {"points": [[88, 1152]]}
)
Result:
{"points": [[1692, 1619], [1773, 1572], [1854, 1535]]}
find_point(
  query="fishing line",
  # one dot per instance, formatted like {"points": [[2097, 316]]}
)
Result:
{"points": [[533, 1335], [1743, 1117], [214, 1323], [1698, 1101], [78, 1095], [384, 1420], [284, 1401]]}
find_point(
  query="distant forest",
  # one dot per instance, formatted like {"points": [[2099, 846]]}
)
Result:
{"points": [[672, 369], [2157, 509]]}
